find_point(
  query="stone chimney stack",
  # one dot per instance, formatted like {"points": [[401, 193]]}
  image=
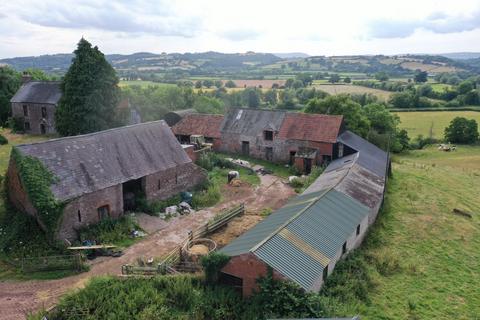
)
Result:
{"points": [[26, 78]]}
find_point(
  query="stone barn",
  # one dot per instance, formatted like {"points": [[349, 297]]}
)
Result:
{"points": [[34, 106], [299, 139], [207, 125], [303, 240], [100, 175]]}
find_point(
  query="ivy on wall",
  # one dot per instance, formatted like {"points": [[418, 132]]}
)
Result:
{"points": [[36, 179]]}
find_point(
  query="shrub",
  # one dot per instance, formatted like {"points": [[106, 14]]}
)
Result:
{"points": [[3, 140], [109, 230], [206, 198], [212, 264], [16, 124], [155, 207]]}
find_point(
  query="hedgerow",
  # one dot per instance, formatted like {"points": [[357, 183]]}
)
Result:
{"points": [[36, 179]]}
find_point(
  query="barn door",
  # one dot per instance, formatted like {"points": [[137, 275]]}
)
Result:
{"points": [[246, 148], [269, 153]]}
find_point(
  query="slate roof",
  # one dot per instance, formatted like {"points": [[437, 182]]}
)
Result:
{"points": [[207, 125], [371, 157], [91, 162], [251, 121], [311, 127], [45, 92], [302, 237]]}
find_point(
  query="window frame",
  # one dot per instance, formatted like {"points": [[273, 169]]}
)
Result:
{"points": [[268, 135], [100, 214]]}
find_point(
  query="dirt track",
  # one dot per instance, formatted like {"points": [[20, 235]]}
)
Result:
{"points": [[17, 299]]}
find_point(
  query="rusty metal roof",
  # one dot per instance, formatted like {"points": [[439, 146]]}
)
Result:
{"points": [[311, 127], [42, 92], [91, 162], [207, 125]]}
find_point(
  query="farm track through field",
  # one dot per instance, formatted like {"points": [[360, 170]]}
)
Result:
{"points": [[17, 299]]}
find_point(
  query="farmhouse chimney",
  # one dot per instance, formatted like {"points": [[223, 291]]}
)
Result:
{"points": [[26, 77]]}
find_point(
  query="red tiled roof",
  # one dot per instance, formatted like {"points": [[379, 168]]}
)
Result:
{"points": [[310, 127], [207, 125]]}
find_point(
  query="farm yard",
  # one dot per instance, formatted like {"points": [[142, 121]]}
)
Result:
{"points": [[422, 122]]}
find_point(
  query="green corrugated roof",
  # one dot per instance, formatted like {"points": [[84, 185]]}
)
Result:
{"points": [[311, 240]]}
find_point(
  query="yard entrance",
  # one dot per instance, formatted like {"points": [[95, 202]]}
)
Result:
{"points": [[132, 190]]}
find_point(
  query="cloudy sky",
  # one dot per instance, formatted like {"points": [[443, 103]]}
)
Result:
{"points": [[316, 27]]}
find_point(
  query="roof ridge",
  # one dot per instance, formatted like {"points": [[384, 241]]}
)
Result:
{"points": [[313, 201], [91, 133]]}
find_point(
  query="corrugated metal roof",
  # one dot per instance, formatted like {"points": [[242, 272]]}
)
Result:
{"points": [[207, 125], [371, 157], [95, 161], [252, 121], [312, 239], [46, 92], [310, 127]]}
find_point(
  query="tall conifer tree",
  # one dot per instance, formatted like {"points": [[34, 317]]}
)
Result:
{"points": [[90, 93]]}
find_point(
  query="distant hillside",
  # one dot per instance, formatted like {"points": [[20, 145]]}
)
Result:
{"points": [[171, 67], [145, 61], [461, 55], [290, 55]]}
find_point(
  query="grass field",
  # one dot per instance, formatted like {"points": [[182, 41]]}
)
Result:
{"points": [[350, 88], [437, 252], [420, 122], [143, 83]]}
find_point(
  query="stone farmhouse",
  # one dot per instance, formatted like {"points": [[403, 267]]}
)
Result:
{"points": [[303, 140], [34, 105], [303, 240], [101, 174]]}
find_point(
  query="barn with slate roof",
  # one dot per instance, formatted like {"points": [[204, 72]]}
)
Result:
{"points": [[303, 140], [34, 106], [303, 240], [99, 175]]}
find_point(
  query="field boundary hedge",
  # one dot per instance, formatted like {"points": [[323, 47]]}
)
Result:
{"points": [[476, 109]]}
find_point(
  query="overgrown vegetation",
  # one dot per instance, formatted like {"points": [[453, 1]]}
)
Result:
{"points": [[212, 264], [156, 206], [111, 231], [37, 180]]}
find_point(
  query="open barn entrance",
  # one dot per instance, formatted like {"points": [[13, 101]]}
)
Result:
{"points": [[132, 191]]}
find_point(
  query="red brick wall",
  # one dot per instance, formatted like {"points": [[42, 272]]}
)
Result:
{"points": [[248, 268]]}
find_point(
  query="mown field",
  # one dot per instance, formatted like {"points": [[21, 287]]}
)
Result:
{"points": [[432, 254], [422, 122], [144, 83], [350, 88]]}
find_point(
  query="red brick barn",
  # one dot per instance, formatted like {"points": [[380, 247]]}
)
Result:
{"points": [[207, 125], [101, 174]]}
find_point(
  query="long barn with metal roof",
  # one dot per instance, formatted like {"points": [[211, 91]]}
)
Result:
{"points": [[303, 240]]}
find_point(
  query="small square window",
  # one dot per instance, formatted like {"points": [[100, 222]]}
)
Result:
{"points": [[358, 230], [103, 212], [27, 125], [268, 135]]}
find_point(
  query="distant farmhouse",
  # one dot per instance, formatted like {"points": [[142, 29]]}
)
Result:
{"points": [[300, 139], [34, 105], [303, 240], [100, 175]]}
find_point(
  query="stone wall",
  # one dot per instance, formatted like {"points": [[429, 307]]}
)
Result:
{"points": [[34, 116]]}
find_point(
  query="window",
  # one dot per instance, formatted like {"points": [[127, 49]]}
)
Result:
{"points": [[25, 110], [358, 230], [79, 216], [44, 112], [325, 273], [159, 186], [103, 212], [43, 128], [344, 248], [27, 125], [268, 135]]}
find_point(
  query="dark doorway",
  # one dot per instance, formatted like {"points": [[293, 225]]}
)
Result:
{"points": [[231, 281], [43, 128], [269, 153], [307, 165], [245, 148], [292, 157], [132, 190]]}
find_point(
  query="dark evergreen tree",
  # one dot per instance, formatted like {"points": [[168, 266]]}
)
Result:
{"points": [[90, 93]]}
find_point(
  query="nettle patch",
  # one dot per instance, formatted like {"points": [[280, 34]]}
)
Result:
{"points": [[36, 179]]}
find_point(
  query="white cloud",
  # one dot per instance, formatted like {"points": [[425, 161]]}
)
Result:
{"points": [[29, 27]]}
